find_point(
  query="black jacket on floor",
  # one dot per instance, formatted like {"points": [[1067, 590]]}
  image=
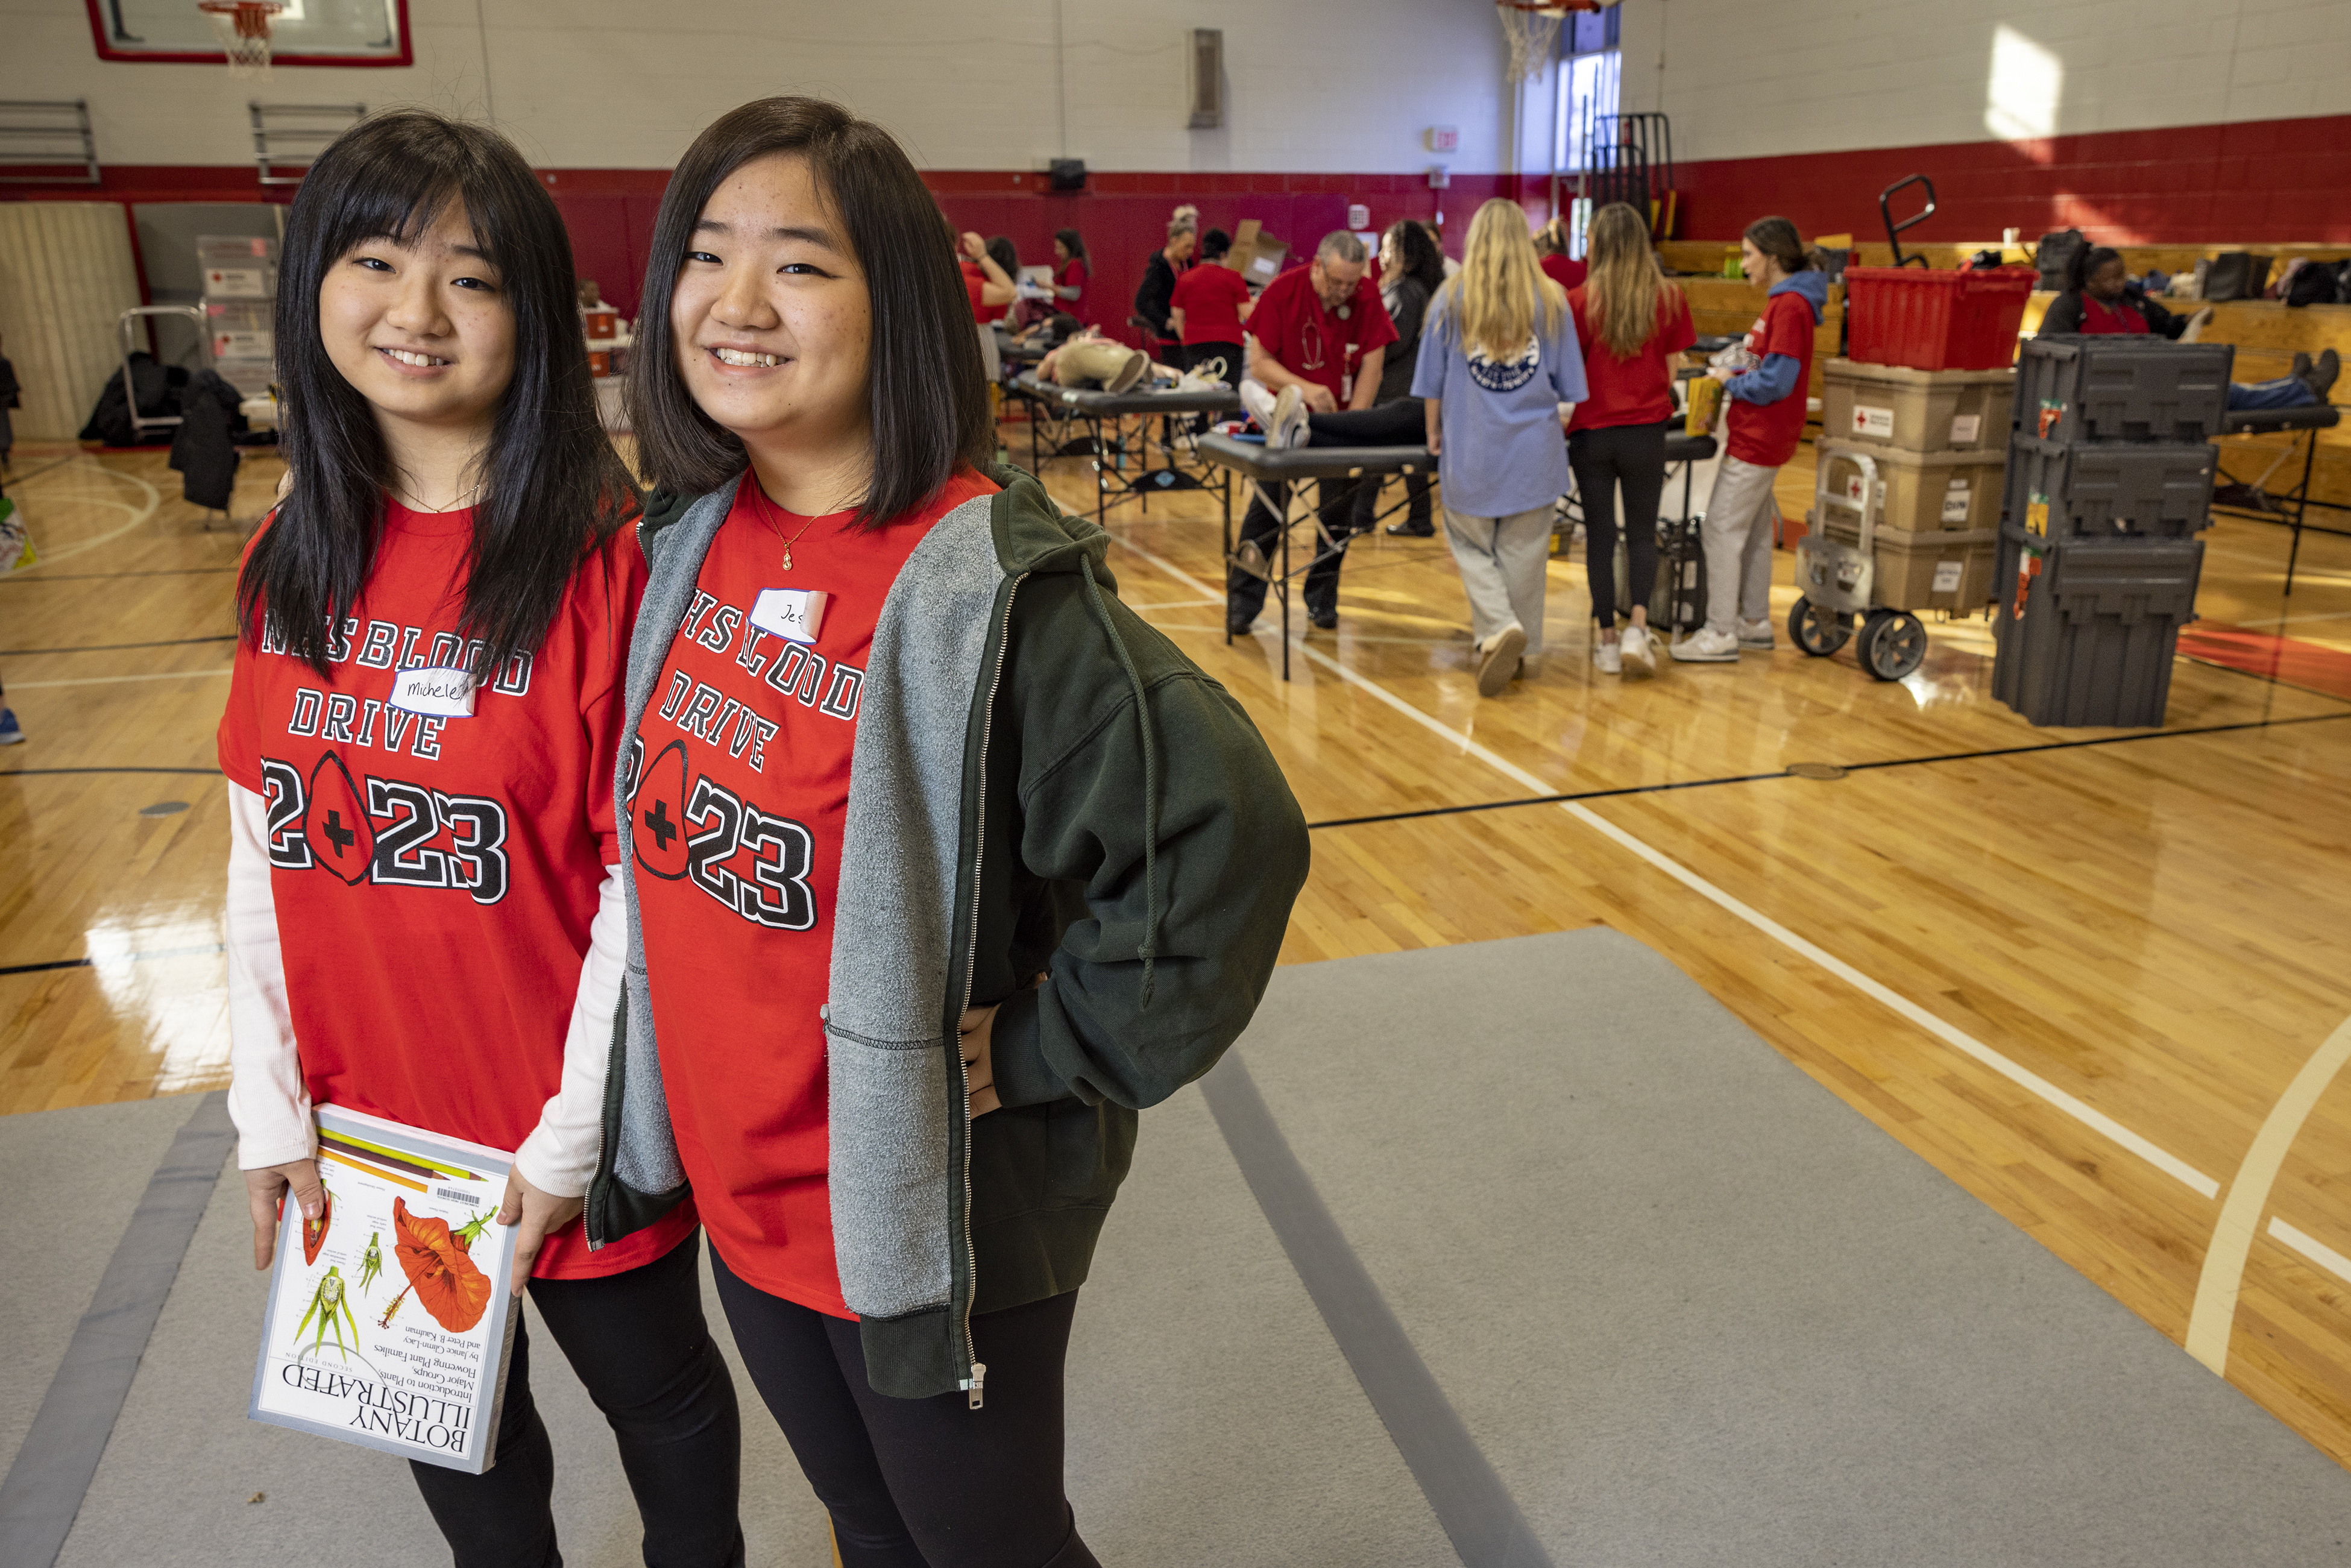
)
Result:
{"points": [[202, 449]]}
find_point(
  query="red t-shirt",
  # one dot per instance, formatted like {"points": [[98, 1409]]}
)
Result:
{"points": [[974, 282], [1569, 275], [1313, 344], [1767, 434], [742, 770], [435, 878], [1072, 276], [1638, 390], [2097, 316], [1210, 296]]}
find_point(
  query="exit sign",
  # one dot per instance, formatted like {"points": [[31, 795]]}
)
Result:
{"points": [[1444, 138]]}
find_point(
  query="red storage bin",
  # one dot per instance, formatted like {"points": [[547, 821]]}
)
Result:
{"points": [[1934, 320]]}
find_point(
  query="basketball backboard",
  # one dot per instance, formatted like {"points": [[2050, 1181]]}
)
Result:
{"points": [[302, 33]]}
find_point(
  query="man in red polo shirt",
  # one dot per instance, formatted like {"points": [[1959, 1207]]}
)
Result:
{"points": [[1322, 328]]}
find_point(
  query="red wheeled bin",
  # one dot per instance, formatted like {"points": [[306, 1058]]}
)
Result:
{"points": [[1934, 320]]}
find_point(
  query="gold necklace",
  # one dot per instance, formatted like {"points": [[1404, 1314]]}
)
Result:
{"points": [[779, 531]]}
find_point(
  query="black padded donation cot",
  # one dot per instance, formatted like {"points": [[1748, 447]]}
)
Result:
{"points": [[1056, 414], [2253, 499], [1253, 461]]}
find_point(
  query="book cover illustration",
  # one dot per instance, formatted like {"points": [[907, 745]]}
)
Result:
{"points": [[391, 1318]]}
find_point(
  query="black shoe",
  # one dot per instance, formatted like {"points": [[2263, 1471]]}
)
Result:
{"points": [[2320, 378], [1238, 624], [1410, 530], [1328, 620]]}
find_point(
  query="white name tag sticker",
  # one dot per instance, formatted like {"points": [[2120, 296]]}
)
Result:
{"points": [[795, 614], [436, 694]]}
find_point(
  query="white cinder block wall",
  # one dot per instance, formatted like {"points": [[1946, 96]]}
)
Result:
{"points": [[1742, 80], [1314, 85]]}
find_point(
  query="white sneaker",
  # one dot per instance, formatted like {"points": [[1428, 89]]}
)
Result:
{"points": [[1257, 401], [1756, 634], [1288, 426], [1639, 652], [1706, 646], [1608, 658]]}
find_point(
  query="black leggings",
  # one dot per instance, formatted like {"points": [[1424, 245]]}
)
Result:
{"points": [[921, 1483], [1632, 455], [640, 1342]]}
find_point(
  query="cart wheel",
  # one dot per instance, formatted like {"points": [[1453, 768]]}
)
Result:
{"points": [[1892, 645], [1817, 631]]}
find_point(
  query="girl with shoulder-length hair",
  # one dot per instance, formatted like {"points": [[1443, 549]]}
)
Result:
{"points": [[1498, 356], [420, 741], [943, 863], [1765, 425], [1631, 320]]}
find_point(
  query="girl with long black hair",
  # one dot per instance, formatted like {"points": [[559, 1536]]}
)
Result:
{"points": [[424, 920], [943, 863]]}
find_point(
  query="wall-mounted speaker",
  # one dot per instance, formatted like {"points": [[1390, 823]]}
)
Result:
{"points": [[1067, 174], [1207, 78]]}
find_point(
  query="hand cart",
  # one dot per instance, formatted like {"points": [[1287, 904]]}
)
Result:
{"points": [[1839, 581]]}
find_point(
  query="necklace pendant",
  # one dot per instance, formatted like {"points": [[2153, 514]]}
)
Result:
{"points": [[787, 557]]}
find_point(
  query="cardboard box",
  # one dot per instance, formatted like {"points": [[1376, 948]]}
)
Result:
{"points": [[1918, 410], [1922, 492], [1255, 255]]}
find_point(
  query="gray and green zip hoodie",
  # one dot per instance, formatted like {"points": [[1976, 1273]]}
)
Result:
{"points": [[1041, 783]]}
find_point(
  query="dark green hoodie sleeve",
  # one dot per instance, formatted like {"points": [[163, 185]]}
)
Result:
{"points": [[1231, 852]]}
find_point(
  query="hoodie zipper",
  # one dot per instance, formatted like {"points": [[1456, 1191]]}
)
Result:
{"points": [[976, 1383]]}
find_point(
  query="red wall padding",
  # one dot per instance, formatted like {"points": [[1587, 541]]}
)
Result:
{"points": [[2264, 182]]}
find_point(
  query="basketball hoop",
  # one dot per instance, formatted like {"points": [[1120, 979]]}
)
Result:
{"points": [[242, 28], [1532, 29]]}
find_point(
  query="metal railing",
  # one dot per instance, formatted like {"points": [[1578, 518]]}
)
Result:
{"points": [[47, 134]]}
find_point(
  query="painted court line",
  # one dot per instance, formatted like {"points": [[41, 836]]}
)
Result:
{"points": [[2215, 1312], [1470, 1502], [2310, 1247], [1958, 1040], [45, 1487]]}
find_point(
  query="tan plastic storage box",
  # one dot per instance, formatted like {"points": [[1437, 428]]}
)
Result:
{"points": [[1921, 491], [1917, 411], [1948, 569]]}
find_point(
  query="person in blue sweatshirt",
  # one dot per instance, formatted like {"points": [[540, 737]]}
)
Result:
{"points": [[1766, 423]]}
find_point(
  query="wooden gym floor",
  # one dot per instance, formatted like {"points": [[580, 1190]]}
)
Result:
{"points": [[2092, 977]]}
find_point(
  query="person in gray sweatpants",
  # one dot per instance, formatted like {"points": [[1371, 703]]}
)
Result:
{"points": [[1765, 424]]}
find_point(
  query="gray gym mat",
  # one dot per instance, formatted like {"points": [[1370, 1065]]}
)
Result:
{"points": [[1692, 1309], [1696, 1312]]}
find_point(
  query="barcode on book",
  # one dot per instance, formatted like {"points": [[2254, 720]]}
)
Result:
{"points": [[454, 1195]]}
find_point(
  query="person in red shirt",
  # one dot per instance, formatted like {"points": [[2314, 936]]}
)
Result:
{"points": [[1553, 242], [1209, 304], [1631, 322], [990, 286], [1071, 270], [424, 918], [905, 795], [1317, 342], [1765, 424]]}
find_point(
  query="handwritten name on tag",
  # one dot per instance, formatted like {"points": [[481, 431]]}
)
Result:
{"points": [[793, 613], [442, 694]]}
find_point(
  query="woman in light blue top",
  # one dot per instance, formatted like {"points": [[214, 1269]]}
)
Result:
{"points": [[1498, 356]]}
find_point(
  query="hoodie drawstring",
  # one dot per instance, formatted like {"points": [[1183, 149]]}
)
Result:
{"points": [[1150, 947]]}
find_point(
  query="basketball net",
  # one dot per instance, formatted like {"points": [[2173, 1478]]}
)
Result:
{"points": [[243, 28], [1533, 31]]}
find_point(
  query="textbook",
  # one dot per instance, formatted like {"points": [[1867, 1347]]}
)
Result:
{"points": [[390, 1320]]}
